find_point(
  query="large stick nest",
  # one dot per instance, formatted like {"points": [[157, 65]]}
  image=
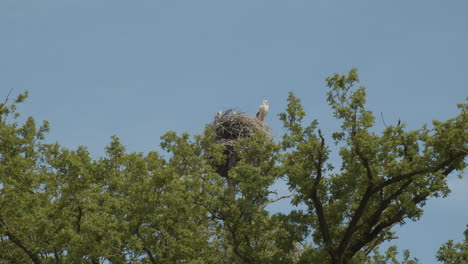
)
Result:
{"points": [[230, 126]]}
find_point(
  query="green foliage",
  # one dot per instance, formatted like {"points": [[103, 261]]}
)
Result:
{"points": [[62, 206], [454, 253], [383, 179], [390, 256]]}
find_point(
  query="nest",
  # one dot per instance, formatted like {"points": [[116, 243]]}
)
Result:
{"points": [[231, 126]]}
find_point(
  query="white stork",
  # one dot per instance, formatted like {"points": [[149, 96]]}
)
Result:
{"points": [[263, 110]]}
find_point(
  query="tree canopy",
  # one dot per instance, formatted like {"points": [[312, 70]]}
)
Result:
{"points": [[59, 205]]}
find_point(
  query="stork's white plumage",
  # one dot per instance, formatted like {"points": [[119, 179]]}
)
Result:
{"points": [[263, 110]]}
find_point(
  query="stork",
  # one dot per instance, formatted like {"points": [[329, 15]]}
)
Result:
{"points": [[263, 110], [218, 115]]}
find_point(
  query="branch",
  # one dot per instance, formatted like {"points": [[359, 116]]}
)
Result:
{"points": [[365, 161], [379, 241], [351, 229], [373, 228], [403, 141], [150, 255], [372, 233], [78, 220], [4, 105], [397, 217], [236, 244], [274, 200], [8, 95], [56, 256], [384, 204], [422, 171], [34, 257], [373, 220], [323, 225], [381, 115]]}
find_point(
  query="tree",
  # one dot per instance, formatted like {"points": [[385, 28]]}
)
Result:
{"points": [[21, 175], [382, 180], [451, 253], [62, 206]]}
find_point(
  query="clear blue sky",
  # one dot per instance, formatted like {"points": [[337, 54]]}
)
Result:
{"points": [[137, 69]]}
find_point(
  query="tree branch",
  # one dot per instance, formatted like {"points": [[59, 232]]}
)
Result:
{"points": [[384, 204], [373, 230], [56, 256], [373, 220], [379, 241], [16, 240], [323, 225], [236, 244], [150, 255], [274, 200], [361, 208], [78, 220], [365, 161], [7, 97], [351, 229], [422, 171]]}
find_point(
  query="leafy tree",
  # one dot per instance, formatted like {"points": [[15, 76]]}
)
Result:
{"points": [[245, 232], [383, 179], [62, 206], [21, 175], [390, 257], [451, 253]]}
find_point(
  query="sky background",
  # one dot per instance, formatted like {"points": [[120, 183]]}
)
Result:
{"points": [[137, 69]]}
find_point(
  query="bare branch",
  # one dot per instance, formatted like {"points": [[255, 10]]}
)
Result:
{"points": [[275, 200], [8, 95], [381, 115]]}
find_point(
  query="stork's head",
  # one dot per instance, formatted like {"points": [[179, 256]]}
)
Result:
{"points": [[265, 102]]}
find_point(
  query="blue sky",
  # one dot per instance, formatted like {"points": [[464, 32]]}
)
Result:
{"points": [[137, 69]]}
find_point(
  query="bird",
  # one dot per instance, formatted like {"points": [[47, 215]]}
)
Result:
{"points": [[218, 115], [263, 110]]}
